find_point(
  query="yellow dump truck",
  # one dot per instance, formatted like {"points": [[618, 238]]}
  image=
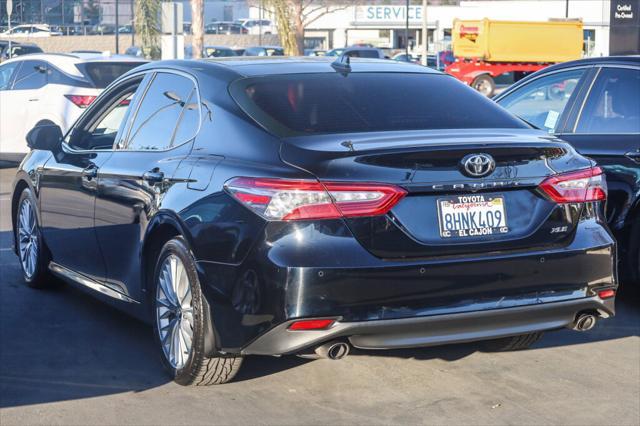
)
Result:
{"points": [[485, 49]]}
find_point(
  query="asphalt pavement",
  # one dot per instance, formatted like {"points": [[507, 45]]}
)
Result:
{"points": [[67, 359]]}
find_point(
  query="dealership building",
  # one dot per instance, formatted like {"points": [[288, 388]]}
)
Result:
{"points": [[384, 25]]}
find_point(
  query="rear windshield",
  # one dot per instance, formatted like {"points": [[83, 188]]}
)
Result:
{"points": [[102, 74], [298, 104]]}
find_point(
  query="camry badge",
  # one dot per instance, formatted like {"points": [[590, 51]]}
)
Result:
{"points": [[478, 165]]}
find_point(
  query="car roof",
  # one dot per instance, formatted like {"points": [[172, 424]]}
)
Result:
{"points": [[67, 61], [598, 60], [235, 67]]}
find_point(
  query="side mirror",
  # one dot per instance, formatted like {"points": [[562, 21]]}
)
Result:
{"points": [[45, 138]]}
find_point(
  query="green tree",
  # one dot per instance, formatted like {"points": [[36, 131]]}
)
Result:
{"points": [[293, 16], [147, 13]]}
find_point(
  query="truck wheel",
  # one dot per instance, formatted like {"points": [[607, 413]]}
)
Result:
{"points": [[514, 343], [484, 84], [180, 321]]}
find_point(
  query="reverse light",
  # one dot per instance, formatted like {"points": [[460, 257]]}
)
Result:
{"points": [[315, 324], [576, 187], [81, 101], [277, 199]]}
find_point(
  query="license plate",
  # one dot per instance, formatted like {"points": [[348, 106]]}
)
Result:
{"points": [[472, 216]]}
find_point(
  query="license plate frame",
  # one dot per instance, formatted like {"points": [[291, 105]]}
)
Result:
{"points": [[475, 211]]}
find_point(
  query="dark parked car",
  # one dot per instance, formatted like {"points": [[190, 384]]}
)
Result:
{"points": [[299, 206], [225, 28], [594, 104], [263, 51], [17, 49], [358, 52], [218, 52]]}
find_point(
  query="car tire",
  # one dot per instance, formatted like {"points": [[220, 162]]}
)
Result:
{"points": [[485, 85], [32, 252], [180, 314], [513, 343]]}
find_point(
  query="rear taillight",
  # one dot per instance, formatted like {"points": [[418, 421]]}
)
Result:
{"points": [[576, 187], [276, 199], [81, 101]]}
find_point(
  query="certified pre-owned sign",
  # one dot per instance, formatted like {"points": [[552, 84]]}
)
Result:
{"points": [[624, 33], [625, 12]]}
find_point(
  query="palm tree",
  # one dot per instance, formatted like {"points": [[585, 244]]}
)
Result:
{"points": [[197, 27], [147, 13]]}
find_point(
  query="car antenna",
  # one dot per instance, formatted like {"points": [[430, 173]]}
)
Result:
{"points": [[342, 64]]}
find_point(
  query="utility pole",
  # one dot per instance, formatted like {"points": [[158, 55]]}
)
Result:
{"points": [[133, 24], [260, 6], [117, 29], [566, 8], [406, 30], [9, 12], [425, 33]]}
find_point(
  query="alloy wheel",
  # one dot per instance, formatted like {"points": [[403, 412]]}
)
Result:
{"points": [[174, 311], [28, 238]]}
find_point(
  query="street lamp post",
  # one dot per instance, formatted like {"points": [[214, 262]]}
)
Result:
{"points": [[260, 6], [9, 11], [425, 33], [406, 30], [117, 30]]}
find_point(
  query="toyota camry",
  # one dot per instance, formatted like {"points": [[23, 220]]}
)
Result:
{"points": [[301, 206]]}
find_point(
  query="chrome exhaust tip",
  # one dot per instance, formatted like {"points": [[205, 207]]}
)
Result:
{"points": [[585, 322], [333, 350]]}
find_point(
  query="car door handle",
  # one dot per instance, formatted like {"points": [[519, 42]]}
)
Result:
{"points": [[34, 99], [90, 172], [634, 156], [153, 176]]}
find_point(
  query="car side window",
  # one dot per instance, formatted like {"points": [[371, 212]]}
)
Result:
{"points": [[613, 105], [101, 130], [165, 116], [32, 76], [7, 71], [543, 101], [189, 121], [369, 54]]}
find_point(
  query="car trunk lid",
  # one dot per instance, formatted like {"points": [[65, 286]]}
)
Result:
{"points": [[428, 165]]}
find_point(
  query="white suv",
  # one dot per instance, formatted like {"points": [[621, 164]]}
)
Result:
{"points": [[257, 26], [42, 89]]}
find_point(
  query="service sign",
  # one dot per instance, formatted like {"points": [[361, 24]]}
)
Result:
{"points": [[387, 14]]}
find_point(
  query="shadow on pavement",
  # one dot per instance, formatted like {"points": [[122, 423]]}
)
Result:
{"points": [[63, 344]]}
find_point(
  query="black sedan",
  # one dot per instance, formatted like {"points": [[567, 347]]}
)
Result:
{"points": [[303, 206], [594, 104]]}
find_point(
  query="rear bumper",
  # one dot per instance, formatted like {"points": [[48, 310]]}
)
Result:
{"points": [[307, 270], [433, 330]]}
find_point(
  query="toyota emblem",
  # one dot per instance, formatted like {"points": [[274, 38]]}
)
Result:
{"points": [[478, 165]]}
